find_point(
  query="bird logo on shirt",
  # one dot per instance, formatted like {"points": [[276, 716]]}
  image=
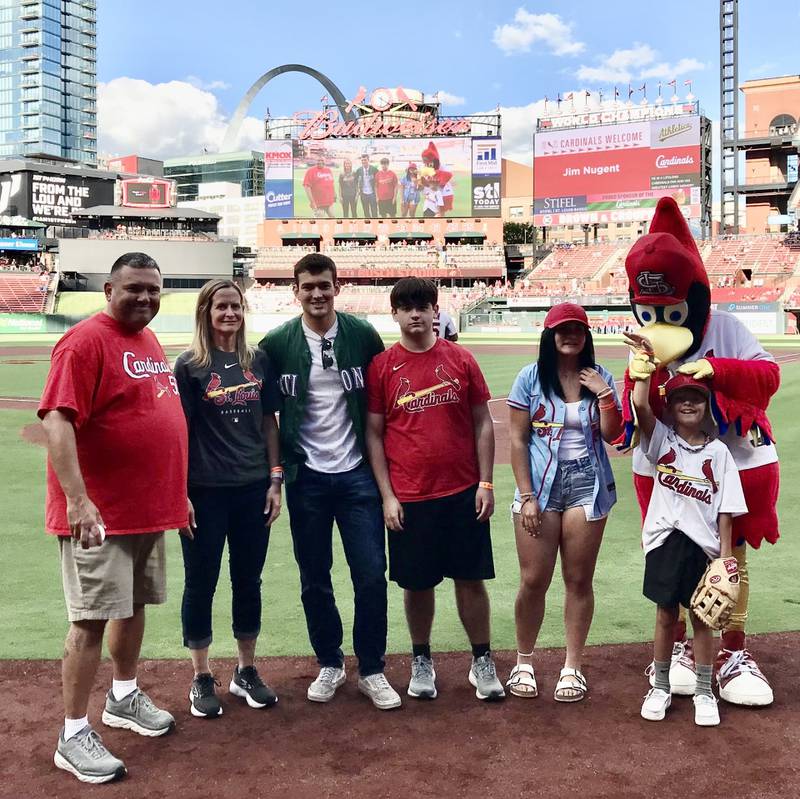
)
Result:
{"points": [[414, 401], [543, 427], [686, 484]]}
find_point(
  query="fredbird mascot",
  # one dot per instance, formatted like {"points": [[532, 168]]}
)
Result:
{"points": [[671, 300]]}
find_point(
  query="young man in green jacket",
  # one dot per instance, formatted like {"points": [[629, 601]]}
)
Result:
{"points": [[321, 358]]}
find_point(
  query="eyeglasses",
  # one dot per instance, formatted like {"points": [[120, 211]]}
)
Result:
{"points": [[327, 358]]}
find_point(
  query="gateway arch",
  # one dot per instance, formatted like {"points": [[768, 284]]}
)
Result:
{"points": [[232, 133]]}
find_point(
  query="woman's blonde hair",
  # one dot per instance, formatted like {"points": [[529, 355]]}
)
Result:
{"points": [[203, 342]]}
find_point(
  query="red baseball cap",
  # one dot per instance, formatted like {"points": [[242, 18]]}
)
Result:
{"points": [[685, 381], [565, 312]]}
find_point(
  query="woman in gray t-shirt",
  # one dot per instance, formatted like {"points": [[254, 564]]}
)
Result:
{"points": [[229, 397]]}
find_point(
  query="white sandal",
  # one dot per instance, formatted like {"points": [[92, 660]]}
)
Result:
{"points": [[522, 681], [577, 684]]}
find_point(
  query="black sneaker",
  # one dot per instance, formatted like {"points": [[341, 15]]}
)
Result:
{"points": [[202, 697], [247, 684]]}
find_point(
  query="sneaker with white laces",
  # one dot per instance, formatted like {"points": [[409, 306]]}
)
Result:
{"points": [[137, 712], [377, 688], [323, 689], [248, 685], [483, 678], [656, 704], [706, 712], [85, 756], [423, 678], [740, 680], [682, 676]]}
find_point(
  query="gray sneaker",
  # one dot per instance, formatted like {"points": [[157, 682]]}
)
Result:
{"points": [[323, 689], [378, 689], [423, 678], [483, 677], [137, 712], [85, 756]]}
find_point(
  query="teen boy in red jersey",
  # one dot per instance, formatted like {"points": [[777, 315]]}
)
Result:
{"points": [[428, 406]]}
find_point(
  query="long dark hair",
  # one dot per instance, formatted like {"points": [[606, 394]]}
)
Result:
{"points": [[548, 363]]}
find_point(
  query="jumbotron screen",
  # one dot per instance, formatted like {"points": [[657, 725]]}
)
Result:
{"points": [[617, 172], [382, 178]]}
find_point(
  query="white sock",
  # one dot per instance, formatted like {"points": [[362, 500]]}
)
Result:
{"points": [[74, 726], [121, 688]]}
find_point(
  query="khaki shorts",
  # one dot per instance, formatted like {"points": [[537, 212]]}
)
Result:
{"points": [[105, 582]]}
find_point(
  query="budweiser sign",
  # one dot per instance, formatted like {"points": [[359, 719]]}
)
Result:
{"points": [[386, 112]]}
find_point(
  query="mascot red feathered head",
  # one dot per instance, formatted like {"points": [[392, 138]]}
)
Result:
{"points": [[668, 284]]}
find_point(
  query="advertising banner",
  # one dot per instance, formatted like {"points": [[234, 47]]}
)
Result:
{"points": [[19, 244], [486, 156], [616, 173], [278, 201], [486, 196], [54, 198]]}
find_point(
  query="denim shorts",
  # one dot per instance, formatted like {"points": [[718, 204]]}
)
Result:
{"points": [[573, 487]]}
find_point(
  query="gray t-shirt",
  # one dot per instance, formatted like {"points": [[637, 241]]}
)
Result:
{"points": [[225, 406]]}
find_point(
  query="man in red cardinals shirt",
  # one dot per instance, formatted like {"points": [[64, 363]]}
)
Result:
{"points": [[320, 188]]}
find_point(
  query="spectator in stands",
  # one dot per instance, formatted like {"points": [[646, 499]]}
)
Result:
{"points": [[365, 177], [411, 192], [562, 408], [348, 189], [229, 396], [386, 185]]}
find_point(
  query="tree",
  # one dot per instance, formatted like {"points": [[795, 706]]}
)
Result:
{"points": [[518, 233]]}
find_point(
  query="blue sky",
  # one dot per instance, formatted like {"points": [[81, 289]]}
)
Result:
{"points": [[171, 72]]}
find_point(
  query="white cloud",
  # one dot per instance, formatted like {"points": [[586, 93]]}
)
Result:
{"points": [[209, 86], [445, 98], [164, 120], [640, 62], [518, 124], [527, 29]]}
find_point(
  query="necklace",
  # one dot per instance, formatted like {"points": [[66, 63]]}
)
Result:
{"points": [[689, 447]]}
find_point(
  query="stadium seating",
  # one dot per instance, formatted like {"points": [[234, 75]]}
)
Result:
{"points": [[575, 262], [390, 262], [22, 292]]}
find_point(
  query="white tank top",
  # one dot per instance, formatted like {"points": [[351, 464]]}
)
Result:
{"points": [[573, 441]]}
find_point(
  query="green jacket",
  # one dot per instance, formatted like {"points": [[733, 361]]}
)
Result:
{"points": [[356, 344]]}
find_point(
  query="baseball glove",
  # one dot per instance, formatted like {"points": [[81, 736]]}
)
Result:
{"points": [[717, 593]]}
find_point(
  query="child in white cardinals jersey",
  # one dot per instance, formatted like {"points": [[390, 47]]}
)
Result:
{"points": [[697, 492]]}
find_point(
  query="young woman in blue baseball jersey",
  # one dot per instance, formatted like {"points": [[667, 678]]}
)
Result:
{"points": [[562, 409]]}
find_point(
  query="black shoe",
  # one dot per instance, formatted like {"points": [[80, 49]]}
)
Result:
{"points": [[247, 684], [203, 698]]}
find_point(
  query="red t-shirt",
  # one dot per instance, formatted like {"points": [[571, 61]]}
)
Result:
{"points": [[385, 184], [118, 390], [319, 181], [426, 400]]}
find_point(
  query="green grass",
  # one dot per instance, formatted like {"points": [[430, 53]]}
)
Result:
{"points": [[33, 620]]}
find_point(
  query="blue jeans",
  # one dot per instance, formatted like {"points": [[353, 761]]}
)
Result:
{"points": [[351, 499], [573, 486], [235, 514]]}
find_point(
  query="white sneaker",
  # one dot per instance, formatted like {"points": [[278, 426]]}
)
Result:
{"points": [[740, 680], [706, 712], [682, 676], [377, 688], [323, 689], [655, 704]]}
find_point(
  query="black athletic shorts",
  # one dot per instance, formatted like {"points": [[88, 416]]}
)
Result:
{"points": [[673, 570], [440, 538]]}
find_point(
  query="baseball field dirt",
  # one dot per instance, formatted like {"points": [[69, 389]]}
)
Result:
{"points": [[453, 746]]}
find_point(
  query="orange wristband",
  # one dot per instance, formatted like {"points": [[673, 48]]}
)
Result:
{"points": [[484, 484]]}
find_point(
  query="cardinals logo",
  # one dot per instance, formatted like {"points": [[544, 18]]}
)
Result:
{"points": [[542, 427], [654, 283], [416, 401], [235, 395], [687, 485]]}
